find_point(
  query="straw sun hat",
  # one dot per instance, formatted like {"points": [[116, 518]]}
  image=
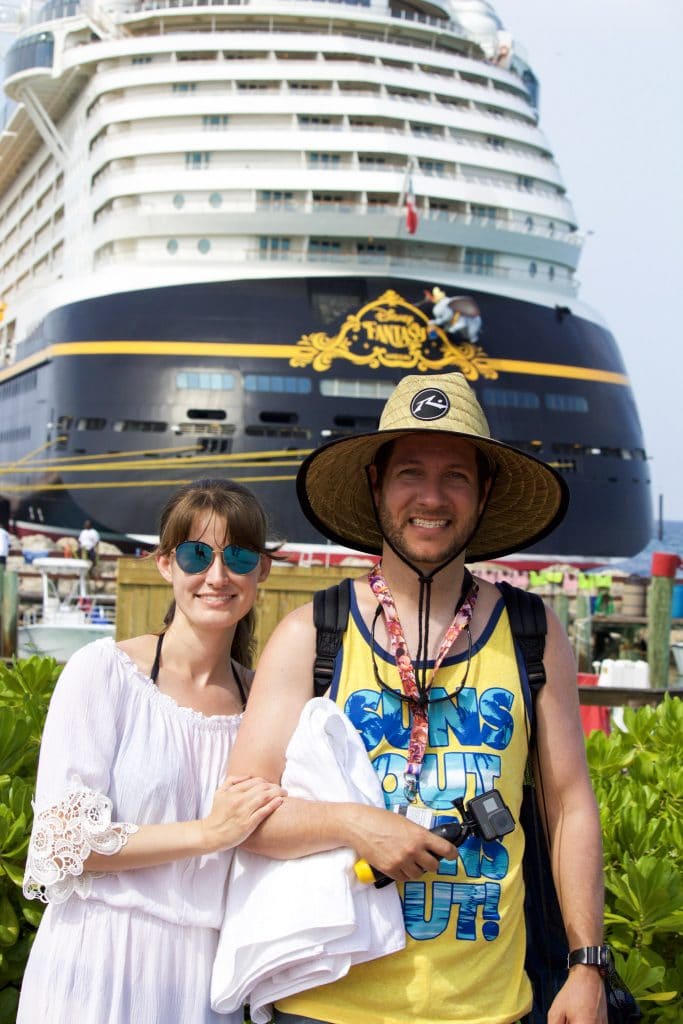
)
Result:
{"points": [[526, 501]]}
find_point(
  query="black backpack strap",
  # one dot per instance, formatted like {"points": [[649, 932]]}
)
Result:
{"points": [[526, 613], [330, 615]]}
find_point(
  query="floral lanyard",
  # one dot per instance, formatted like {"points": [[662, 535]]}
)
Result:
{"points": [[419, 701]]}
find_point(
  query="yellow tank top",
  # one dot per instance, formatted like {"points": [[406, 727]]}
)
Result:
{"points": [[465, 938]]}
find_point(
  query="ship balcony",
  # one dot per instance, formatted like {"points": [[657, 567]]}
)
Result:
{"points": [[517, 237]]}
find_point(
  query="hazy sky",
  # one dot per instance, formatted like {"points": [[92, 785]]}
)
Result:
{"points": [[611, 97]]}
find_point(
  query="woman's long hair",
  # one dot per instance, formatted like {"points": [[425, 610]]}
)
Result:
{"points": [[246, 525]]}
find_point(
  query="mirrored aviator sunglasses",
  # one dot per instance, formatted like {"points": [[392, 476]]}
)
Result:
{"points": [[194, 556]]}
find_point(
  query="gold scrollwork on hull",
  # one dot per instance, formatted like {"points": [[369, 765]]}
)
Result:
{"points": [[391, 332]]}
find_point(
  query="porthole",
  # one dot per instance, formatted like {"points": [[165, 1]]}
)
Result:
{"points": [[179, 201], [203, 245], [215, 199], [172, 246]]}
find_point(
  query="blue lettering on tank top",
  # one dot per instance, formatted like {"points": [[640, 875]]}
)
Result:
{"points": [[463, 897], [473, 901], [382, 717]]}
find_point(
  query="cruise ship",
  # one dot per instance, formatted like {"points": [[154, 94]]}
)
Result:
{"points": [[227, 229]]}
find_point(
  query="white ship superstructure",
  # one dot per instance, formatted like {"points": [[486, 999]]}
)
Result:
{"points": [[160, 142]]}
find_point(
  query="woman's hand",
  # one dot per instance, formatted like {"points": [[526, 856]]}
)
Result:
{"points": [[240, 804]]}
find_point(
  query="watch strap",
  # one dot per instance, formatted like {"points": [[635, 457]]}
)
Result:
{"points": [[590, 956]]}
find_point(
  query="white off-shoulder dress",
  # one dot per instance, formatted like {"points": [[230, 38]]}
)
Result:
{"points": [[134, 947]]}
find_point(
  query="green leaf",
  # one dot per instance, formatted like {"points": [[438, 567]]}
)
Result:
{"points": [[9, 923]]}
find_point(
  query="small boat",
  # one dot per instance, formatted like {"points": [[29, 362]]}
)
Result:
{"points": [[63, 624]]}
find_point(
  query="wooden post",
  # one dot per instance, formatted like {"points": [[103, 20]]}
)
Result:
{"points": [[10, 602], [660, 594], [583, 638]]}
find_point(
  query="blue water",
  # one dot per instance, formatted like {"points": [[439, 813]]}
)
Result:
{"points": [[671, 542]]}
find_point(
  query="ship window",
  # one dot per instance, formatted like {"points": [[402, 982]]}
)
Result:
{"points": [[206, 414], [533, 447], [205, 381], [143, 426], [141, 60], [525, 183], [479, 261], [371, 248], [436, 167], [551, 273], [274, 198], [280, 385], [204, 246], [565, 403], [483, 212], [215, 121], [207, 429], [184, 86], [323, 245], [197, 160], [213, 444], [357, 424], [215, 200], [573, 448], [272, 248], [256, 430], [324, 159], [172, 246], [508, 398], [90, 423], [65, 423], [334, 387], [179, 201], [278, 417], [532, 269]]}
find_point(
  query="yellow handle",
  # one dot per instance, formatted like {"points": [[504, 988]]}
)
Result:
{"points": [[364, 872]]}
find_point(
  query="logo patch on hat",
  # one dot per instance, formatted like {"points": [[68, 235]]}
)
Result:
{"points": [[430, 404]]}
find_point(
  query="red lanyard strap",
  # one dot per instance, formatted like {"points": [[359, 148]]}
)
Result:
{"points": [[419, 698]]}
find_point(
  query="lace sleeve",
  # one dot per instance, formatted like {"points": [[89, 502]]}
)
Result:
{"points": [[63, 838]]}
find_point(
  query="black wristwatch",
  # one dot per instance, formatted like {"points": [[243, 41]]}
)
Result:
{"points": [[592, 956]]}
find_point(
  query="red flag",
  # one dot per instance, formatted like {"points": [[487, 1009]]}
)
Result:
{"points": [[411, 208]]}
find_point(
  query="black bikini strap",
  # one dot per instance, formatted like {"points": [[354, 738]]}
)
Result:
{"points": [[236, 673], [157, 659], [154, 674]]}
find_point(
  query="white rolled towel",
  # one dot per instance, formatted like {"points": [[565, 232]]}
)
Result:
{"points": [[292, 925]]}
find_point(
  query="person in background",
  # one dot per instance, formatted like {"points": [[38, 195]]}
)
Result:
{"points": [[429, 675], [135, 816], [88, 541], [5, 543]]}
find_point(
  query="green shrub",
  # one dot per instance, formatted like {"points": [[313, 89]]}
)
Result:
{"points": [[25, 691], [638, 781]]}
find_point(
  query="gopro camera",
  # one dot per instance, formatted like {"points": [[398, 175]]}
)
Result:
{"points": [[491, 815]]}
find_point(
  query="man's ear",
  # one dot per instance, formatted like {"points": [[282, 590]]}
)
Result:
{"points": [[164, 567]]}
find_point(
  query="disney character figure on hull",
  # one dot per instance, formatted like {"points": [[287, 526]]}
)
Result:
{"points": [[429, 674], [135, 816]]}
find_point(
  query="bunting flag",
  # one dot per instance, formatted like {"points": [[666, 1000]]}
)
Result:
{"points": [[411, 208]]}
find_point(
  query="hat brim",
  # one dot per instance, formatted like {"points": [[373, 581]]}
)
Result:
{"points": [[528, 498]]}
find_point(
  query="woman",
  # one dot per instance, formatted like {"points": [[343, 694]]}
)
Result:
{"points": [[134, 819]]}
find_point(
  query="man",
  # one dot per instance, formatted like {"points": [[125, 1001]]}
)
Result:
{"points": [[428, 674], [88, 539]]}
